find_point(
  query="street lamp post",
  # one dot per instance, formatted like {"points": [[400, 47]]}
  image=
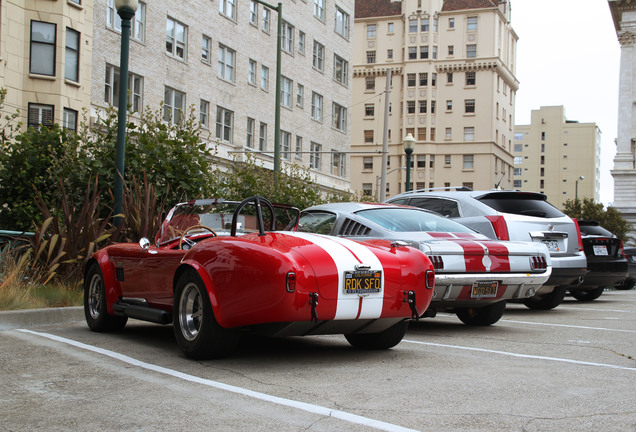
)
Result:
{"points": [[126, 9], [576, 188], [409, 145]]}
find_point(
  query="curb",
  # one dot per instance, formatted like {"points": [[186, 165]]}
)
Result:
{"points": [[40, 317]]}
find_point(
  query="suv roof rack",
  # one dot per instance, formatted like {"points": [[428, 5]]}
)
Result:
{"points": [[445, 188]]}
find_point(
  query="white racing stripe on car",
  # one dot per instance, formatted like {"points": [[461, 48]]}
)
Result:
{"points": [[346, 255], [307, 407]]}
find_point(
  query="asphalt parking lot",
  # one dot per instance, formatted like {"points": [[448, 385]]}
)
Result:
{"points": [[569, 369]]}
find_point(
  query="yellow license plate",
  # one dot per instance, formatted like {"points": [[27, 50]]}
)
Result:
{"points": [[484, 289], [362, 282]]}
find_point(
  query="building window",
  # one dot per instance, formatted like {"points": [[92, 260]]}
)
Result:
{"points": [[249, 138], [370, 56], [43, 40], [421, 134], [264, 78], [368, 136], [224, 124], [369, 83], [176, 38], [301, 42], [469, 162], [471, 50], [469, 134], [421, 161], [518, 171], [342, 23], [423, 104], [71, 60], [69, 119], [113, 20], [299, 147], [206, 49], [369, 110], [449, 78], [287, 37], [367, 189], [518, 148], [267, 14], [471, 24], [449, 105], [285, 145], [451, 23], [251, 72], [410, 107], [433, 79], [111, 88], [319, 9], [518, 136], [518, 160], [390, 28], [433, 104], [447, 160], [316, 106], [319, 56], [253, 13], [469, 105], [371, 30], [449, 133], [40, 115], [516, 184], [410, 80], [389, 54], [314, 156], [425, 25], [173, 105], [339, 115], [471, 78], [204, 113], [434, 52], [340, 69], [227, 62], [286, 92], [337, 163], [451, 50], [431, 161], [424, 52], [424, 79], [300, 95], [262, 136], [367, 163], [228, 8], [413, 26], [412, 53]]}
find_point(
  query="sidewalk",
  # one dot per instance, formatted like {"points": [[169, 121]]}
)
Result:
{"points": [[40, 317]]}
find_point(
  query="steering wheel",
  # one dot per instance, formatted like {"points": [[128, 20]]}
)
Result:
{"points": [[185, 233]]}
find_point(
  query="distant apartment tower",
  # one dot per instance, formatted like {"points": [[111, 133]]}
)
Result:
{"points": [[453, 88], [557, 157], [46, 51], [624, 172], [220, 58]]}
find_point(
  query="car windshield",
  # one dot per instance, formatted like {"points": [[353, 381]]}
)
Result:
{"points": [[406, 220], [525, 204]]}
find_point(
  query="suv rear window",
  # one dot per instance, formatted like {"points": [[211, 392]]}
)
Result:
{"points": [[521, 204]]}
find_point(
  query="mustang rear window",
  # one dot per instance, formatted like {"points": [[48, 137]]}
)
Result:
{"points": [[522, 204], [408, 220]]}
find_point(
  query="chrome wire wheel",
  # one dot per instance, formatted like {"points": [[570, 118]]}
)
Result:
{"points": [[190, 312], [95, 289]]}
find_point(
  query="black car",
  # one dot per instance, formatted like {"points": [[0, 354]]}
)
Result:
{"points": [[606, 261], [629, 283]]}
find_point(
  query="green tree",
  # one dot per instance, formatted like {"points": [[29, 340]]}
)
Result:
{"points": [[609, 218]]}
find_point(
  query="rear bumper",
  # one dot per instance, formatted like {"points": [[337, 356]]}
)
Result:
{"points": [[566, 276], [604, 274]]}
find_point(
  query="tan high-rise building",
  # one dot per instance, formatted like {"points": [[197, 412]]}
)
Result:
{"points": [[557, 156], [453, 87], [46, 51]]}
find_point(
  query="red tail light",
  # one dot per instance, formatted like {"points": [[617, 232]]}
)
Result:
{"points": [[538, 263], [578, 232], [621, 251], [430, 279], [291, 282], [438, 262], [500, 227]]}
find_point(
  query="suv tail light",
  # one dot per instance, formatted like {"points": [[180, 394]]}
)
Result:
{"points": [[500, 227], [578, 233]]}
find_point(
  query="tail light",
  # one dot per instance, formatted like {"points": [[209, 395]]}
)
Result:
{"points": [[291, 282], [430, 279], [438, 262], [499, 226], [578, 232], [538, 263], [621, 251]]}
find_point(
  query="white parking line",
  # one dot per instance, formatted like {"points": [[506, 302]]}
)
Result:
{"points": [[510, 354], [568, 326], [314, 409], [595, 309]]}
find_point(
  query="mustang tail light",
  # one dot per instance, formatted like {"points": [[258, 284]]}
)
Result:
{"points": [[578, 232], [499, 226], [538, 263], [291, 282], [438, 262], [430, 279]]}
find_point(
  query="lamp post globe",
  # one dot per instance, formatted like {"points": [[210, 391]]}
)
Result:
{"points": [[409, 145]]}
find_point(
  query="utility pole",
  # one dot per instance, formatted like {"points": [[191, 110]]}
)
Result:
{"points": [[385, 137]]}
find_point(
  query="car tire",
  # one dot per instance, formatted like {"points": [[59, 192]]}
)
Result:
{"points": [[379, 341], [587, 294], [546, 301], [481, 316], [198, 333], [95, 307], [627, 284]]}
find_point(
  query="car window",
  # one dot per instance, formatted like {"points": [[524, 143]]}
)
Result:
{"points": [[316, 222], [594, 229], [447, 208], [400, 201], [521, 204], [407, 220]]}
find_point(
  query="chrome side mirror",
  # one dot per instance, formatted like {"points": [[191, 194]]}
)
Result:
{"points": [[144, 243]]}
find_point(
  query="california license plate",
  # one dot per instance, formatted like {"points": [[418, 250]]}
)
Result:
{"points": [[553, 245], [600, 250], [484, 289], [362, 282]]}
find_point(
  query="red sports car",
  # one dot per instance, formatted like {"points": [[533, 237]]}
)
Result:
{"points": [[219, 267]]}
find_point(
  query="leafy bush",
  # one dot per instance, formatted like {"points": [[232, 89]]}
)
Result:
{"points": [[609, 218]]}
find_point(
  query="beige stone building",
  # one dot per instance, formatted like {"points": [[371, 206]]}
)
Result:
{"points": [[624, 171], [557, 156], [220, 58], [453, 88], [46, 52]]}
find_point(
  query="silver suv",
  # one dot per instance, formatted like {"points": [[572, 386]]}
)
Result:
{"points": [[515, 215]]}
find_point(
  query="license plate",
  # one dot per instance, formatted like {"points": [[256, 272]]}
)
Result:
{"points": [[600, 250], [553, 245], [484, 289], [362, 282]]}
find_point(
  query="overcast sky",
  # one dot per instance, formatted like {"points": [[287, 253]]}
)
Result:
{"points": [[568, 54]]}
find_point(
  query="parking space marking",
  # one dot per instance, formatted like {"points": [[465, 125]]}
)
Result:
{"points": [[311, 408], [595, 309], [529, 356], [568, 326]]}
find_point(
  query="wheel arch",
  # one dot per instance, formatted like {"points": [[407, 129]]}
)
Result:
{"points": [[207, 282], [111, 287]]}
